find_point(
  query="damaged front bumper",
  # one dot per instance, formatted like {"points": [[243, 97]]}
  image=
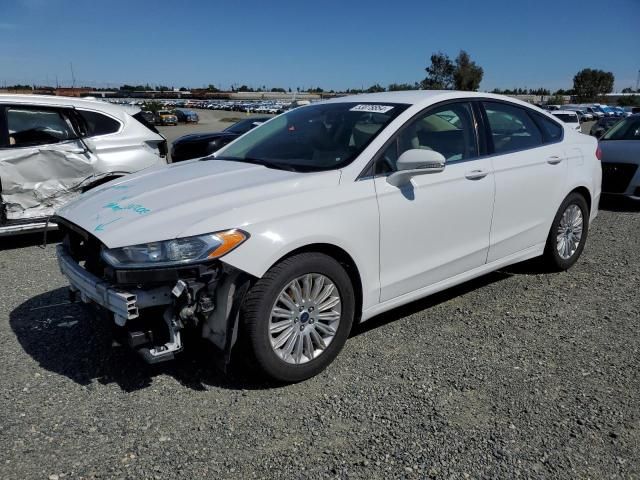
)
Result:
{"points": [[125, 305], [210, 304]]}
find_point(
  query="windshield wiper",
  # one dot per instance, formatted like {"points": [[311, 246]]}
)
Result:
{"points": [[258, 161]]}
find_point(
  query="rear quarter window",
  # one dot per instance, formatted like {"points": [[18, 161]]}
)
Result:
{"points": [[551, 130], [99, 124]]}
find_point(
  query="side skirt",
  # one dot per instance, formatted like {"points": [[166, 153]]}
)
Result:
{"points": [[521, 256]]}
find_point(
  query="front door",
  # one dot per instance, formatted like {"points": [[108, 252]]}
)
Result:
{"points": [[43, 164], [437, 226]]}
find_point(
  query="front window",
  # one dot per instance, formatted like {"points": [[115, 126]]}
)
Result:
{"points": [[318, 137], [448, 129], [628, 129], [32, 126]]}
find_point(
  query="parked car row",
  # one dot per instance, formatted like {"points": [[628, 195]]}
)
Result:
{"points": [[249, 106], [594, 111], [172, 117]]}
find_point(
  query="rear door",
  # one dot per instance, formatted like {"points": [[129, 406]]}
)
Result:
{"points": [[43, 162], [530, 169]]}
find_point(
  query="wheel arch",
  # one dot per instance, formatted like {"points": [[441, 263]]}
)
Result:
{"points": [[342, 257], [584, 191]]}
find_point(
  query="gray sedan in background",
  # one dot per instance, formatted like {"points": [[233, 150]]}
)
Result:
{"points": [[620, 155]]}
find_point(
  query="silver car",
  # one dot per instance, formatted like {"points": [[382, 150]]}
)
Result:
{"points": [[54, 148], [620, 154]]}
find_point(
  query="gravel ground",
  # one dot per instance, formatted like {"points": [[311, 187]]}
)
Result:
{"points": [[516, 374]]}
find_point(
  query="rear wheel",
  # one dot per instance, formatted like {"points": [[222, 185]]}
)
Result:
{"points": [[568, 233], [298, 316]]}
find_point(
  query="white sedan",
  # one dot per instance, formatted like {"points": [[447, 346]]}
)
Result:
{"points": [[326, 216]]}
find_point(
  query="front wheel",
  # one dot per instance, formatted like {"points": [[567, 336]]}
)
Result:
{"points": [[298, 316], [568, 233]]}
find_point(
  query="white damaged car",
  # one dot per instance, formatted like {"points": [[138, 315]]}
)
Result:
{"points": [[326, 216], [54, 148]]}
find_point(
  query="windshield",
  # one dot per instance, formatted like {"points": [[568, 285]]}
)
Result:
{"points": [[318, 137], [567, 117], [628, 129]]}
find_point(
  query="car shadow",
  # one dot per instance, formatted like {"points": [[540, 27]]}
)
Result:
{"points": [[613, 203], [429, 302], [74, 340]]}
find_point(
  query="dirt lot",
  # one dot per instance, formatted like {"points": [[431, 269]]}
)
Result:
{"points": [[516, 374]]}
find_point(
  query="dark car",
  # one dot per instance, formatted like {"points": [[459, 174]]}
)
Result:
{"points": [[620, 155], [199, 145], [186, 116], [602, 125]]}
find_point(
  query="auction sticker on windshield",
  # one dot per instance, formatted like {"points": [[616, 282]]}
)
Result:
{"points": [[371, 108]]}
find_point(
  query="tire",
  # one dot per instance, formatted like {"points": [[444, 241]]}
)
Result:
{"points": [[553, 259], [265, 296]]}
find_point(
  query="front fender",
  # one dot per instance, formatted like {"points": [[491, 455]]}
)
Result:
{"points": [[352, 227]]}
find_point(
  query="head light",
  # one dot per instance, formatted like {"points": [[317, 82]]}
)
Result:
{"points": [[177, 251]]}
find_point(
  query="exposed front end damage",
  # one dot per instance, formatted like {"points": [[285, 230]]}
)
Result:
{"points": [[155, 307]]}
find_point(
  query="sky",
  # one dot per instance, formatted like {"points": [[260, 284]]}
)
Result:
{"points": [[330, 44]]}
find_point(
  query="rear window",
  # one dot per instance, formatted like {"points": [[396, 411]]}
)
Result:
{"points": [[140, 118], [99, 124]]}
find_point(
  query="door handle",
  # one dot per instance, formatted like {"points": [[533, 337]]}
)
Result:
{"points": [[476, 174], [554, 160]]}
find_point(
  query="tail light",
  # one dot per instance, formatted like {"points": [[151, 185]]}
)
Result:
{"points": [[598, 153]]}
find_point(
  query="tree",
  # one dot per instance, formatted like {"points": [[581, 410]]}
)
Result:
{"points": [[439, 73], [375, 88], [629, 101], [467, 75], [590, 84], [212, 88], [628, 90], [394, 87]]}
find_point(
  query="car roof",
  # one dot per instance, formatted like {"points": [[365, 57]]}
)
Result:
{"points": [[425, 97], [59, 101]]}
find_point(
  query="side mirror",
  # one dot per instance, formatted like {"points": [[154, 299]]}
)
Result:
{"points": [[416, 162]]}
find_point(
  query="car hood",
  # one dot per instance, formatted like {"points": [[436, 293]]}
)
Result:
{"points": [[620, 151], [203, 137], [196, 197]]}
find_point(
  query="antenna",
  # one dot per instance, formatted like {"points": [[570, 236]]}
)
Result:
{"points": [[73, 77]]}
